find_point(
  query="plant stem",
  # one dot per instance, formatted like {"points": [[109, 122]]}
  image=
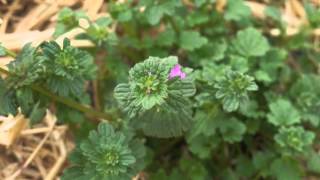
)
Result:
{"points": [[65, 101], [173, 25], [11, 53]]}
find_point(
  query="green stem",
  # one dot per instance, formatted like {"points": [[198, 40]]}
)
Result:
{"points": [[71, 103], [173, 25], [11, 53], [65, 101]]}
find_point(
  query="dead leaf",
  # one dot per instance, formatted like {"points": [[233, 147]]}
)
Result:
{"points": [[10, 128], [220, 5]]}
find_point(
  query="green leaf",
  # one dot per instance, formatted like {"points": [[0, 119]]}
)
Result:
{"points": [[202, 145], [166, 38], [239, 64], [215, 50], [262, 161], [245, 168], [155, 14], [67, 68], [3, 51], [197, 18], [306, 93], [236, 10], [170, 119], [232, 130], [67, 20], [37, 113], [313, 161], [120, 11], [26, 69], [193, 169], [233, 89], [8, 104], [313, 14], [228, 174], [199, 3], [203, 137], [188, 168], [106, 154], [283, 113], [270, 65], [158, 103], [159, 175], [160, 8], [284, 169], [294, 139], [213, 72], [273, 12], [98, 32], [250, 43], [191, 40], [251, 109]]}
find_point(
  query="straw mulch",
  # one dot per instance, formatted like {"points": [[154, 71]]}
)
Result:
{"points": [[40, 152], [32, 153]]}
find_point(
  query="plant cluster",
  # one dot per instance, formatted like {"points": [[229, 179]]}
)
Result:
{"points": [[189, 92]]}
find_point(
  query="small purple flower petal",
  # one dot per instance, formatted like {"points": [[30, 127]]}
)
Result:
{"points": [[176, 71], [183, 75]]}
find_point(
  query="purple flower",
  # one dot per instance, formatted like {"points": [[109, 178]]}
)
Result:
{"points": [[176, 71]]}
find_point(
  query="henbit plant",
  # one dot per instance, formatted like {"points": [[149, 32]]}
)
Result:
{"points": [[231, 101], [156, 97], [106, 154]]}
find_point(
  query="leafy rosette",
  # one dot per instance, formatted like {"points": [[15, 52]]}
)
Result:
{"points": [[294, 139], [68, 67], [233, 89], [26, 68], [106, 154], [157, 96]]}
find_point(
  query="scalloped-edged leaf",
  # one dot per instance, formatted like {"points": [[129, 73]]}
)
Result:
{"points": [[171, 119], [154, 99], [106, 154], [185, 87], [250, 43], [191, 40], [7, 99], [283, 113]]}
